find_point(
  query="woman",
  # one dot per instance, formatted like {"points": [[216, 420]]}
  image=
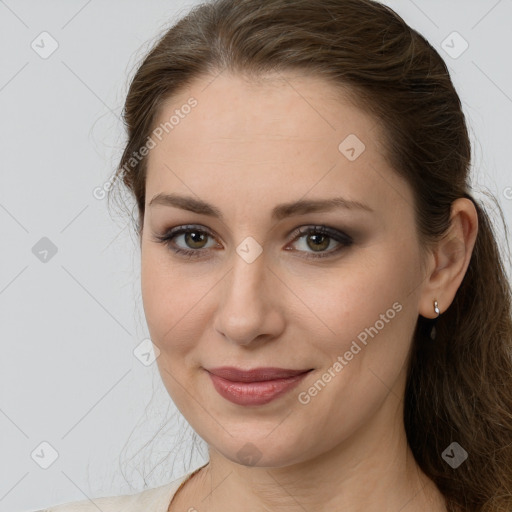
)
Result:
{"points": [[328, 301]]}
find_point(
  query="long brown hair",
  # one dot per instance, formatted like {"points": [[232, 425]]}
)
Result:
{"points": [[459, 388]]}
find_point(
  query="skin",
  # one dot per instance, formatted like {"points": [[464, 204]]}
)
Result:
{"points": [[246, 147]]}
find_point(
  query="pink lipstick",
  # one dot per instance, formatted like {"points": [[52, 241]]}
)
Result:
{"points": [[258, 386]]}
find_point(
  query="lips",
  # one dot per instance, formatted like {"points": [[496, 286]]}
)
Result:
{"points": [[256, 374], [255, 387]]}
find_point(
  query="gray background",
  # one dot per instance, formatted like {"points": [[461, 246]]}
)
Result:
{"points": [[70, 323]]}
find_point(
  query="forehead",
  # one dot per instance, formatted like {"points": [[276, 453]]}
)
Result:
{"points": [[280, 133], [284, 108]]}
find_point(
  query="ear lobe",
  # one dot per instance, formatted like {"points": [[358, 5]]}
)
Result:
{"points": [[452, 255]]}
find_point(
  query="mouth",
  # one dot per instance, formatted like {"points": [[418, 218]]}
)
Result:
{"points": [[261, 374], [254, 387]]}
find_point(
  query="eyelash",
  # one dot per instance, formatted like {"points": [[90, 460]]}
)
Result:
{"points": [[343, 239]]}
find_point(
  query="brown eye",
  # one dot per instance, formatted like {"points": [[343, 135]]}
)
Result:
{"points": [[195, 239], [192, 241], [319, 238], [318, 242]]}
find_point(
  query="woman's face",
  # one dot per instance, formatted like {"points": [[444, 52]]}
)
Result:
{"points": [[251, 293]]}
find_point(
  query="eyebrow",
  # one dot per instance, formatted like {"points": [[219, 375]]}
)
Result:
{"points": [[280, 212]]}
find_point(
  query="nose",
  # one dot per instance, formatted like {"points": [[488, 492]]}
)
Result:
{"points": [[249, 307]]}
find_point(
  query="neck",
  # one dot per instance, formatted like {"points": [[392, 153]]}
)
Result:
{"points": [[371, 470]]}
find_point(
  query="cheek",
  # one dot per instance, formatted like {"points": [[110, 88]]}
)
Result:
{"points": [[365, 312], [161, 293], [168, 298], [370, 317], [171, 296]]}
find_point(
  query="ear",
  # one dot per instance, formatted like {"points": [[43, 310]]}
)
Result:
{"points": [[450, 259]]}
